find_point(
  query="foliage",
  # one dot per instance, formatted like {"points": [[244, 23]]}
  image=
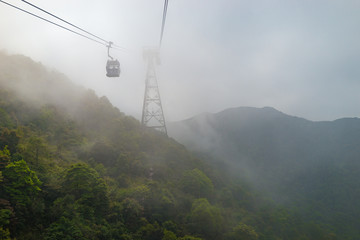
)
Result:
{"points": [[21, 183], [5, 119], [4, 157], [9, 138], [195, 182], [205, 219], [190, 238], [169, 235], [4, 234], [63, 229], [5, 215], [243, 231]]}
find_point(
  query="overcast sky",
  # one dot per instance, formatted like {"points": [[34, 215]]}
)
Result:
{"points": [[301, 57]]}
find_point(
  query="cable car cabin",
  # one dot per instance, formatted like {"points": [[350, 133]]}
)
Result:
{"points": [[112, 68]]}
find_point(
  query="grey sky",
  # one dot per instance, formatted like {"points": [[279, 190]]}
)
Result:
{"points": [[299, 56]]}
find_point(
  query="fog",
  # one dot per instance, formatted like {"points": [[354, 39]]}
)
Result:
{"points": [[300, 57], [282, 156]]}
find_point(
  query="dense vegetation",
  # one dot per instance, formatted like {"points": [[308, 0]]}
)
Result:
{"points": [[72, 166], [311, 167]]}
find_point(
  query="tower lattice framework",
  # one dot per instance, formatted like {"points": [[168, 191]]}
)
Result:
{"points": [[152, 113]]}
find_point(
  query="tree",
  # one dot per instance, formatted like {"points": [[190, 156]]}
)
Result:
{"points": [[88, 189], [21, 186], [64, 229], [4, 234], [130, 212], [5, 119], [196, 183], [189, 238], [4, 157], [205, 219], [5, 215], [103, 153], [9, 138], [169, 235], [150, 232], [21, 183], [34, 149], [243, 232], [159, 204]]}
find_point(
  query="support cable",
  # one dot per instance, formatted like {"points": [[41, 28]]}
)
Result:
{"points": [[163, 22], [114, 46], [58, 25], [105, 43], [79, 28]]}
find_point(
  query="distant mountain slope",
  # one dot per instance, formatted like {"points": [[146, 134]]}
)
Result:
{"points": [[314, 166]]}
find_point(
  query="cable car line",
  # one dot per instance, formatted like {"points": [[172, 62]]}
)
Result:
{"points": [[112, 66], [58, 25], [73, 25], [163, 21], [79, 28]]}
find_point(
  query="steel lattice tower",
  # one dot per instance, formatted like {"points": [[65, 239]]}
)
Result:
{"points": [[152, 113]]}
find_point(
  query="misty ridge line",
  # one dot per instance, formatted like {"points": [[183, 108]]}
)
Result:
{"points": [[291, 160], [206, 115], [29, 80], [32, 78]]}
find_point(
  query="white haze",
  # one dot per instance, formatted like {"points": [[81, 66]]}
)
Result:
{"points": [[301, 57]]}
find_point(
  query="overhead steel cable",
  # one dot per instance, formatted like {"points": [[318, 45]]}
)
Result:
{"points": [[58, 25], [53, 15], [163, 22], [114, 46]]}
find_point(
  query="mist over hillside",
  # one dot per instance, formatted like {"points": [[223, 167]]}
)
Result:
{"points": [[311, 165], [72, 166], [36, 84]]}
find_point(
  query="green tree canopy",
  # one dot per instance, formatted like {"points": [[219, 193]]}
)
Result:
{"points": [[196, 183], [21, 183], [243, 232], [84, 183], [205, 219], [4, 157], [9, 138]]}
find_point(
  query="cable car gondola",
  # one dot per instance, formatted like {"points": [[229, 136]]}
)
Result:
{"points": [[112, 66]]}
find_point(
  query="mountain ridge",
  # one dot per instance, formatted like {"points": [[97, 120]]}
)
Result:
{"points": [[257, 109], [293, 160]]}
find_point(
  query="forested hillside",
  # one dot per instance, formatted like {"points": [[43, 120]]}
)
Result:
{"points": [[74, 167], [312, 167]]}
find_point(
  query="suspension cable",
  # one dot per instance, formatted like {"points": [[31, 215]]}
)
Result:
{"points": [[163, 22], [114, 46], [58, 25], [53, 15]]}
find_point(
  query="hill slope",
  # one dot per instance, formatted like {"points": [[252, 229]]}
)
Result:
{"points": [[72, 166], [313, 166]]}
